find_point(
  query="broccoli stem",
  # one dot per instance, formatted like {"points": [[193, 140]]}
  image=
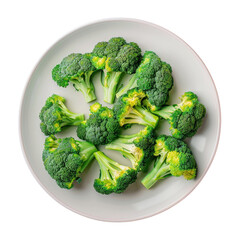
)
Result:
{"points": [[74, 120], [111, 81], [84, 84], [86, 153], [165, 112], [160, 170], [125, 145], [131, 84], [109, 168], [142, 116], [70, 118]]}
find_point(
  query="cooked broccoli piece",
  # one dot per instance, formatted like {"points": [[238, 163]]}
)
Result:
{"points": [[115, 58], [77, 69], [101, 128], [138, 148], [114, 177], [55, 115], [186, 117], [65, 159], [129, 109], [154, 77], [174, 158]]}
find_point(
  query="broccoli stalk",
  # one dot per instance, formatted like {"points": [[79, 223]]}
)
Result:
{"points": [[184, 118], [114, 177], [68, 117], [132, 83], [140, 115], [161, 170], [166, 111], [125, 145], [110, 84], [174, 158], [84, 84], [55, 115], [86, 153], [138, 148]]}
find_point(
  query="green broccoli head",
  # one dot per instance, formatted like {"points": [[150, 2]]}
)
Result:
{"points": [[104, 51], [113, 46], [116, 58], [159, 93], [114, 177], [101, 128], [64, 159], [138, 148], [186, 117], [54, 115], [146, 72], [99, 49], [127, 59], [129, 109], [76, 68], [174, 158]]}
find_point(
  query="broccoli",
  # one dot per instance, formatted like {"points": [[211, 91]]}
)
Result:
{"points": [[101, 128], [115, 58], [138, 148], [77, 69], [114, 177], [65, 159], [154, 77], [186, 117], [55, 115], [174, 158], [129, 109]]}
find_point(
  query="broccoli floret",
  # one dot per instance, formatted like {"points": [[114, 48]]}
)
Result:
{"points": [[114, 177], [129, 109], [76, 68], [154, 77], [65, 159], [115, 58], [138, 148], [186, 117], [174, 158], [101, 128], [54, 115]]}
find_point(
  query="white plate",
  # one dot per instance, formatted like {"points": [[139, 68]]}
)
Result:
{"points": [[190, 74]]}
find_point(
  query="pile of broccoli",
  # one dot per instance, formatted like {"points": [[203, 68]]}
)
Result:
{"points": [[142, 102]]}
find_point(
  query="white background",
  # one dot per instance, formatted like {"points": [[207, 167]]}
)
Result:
{"points": [[29, 28]]}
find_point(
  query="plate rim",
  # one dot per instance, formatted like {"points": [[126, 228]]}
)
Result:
{"points": [[102, 20]]}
